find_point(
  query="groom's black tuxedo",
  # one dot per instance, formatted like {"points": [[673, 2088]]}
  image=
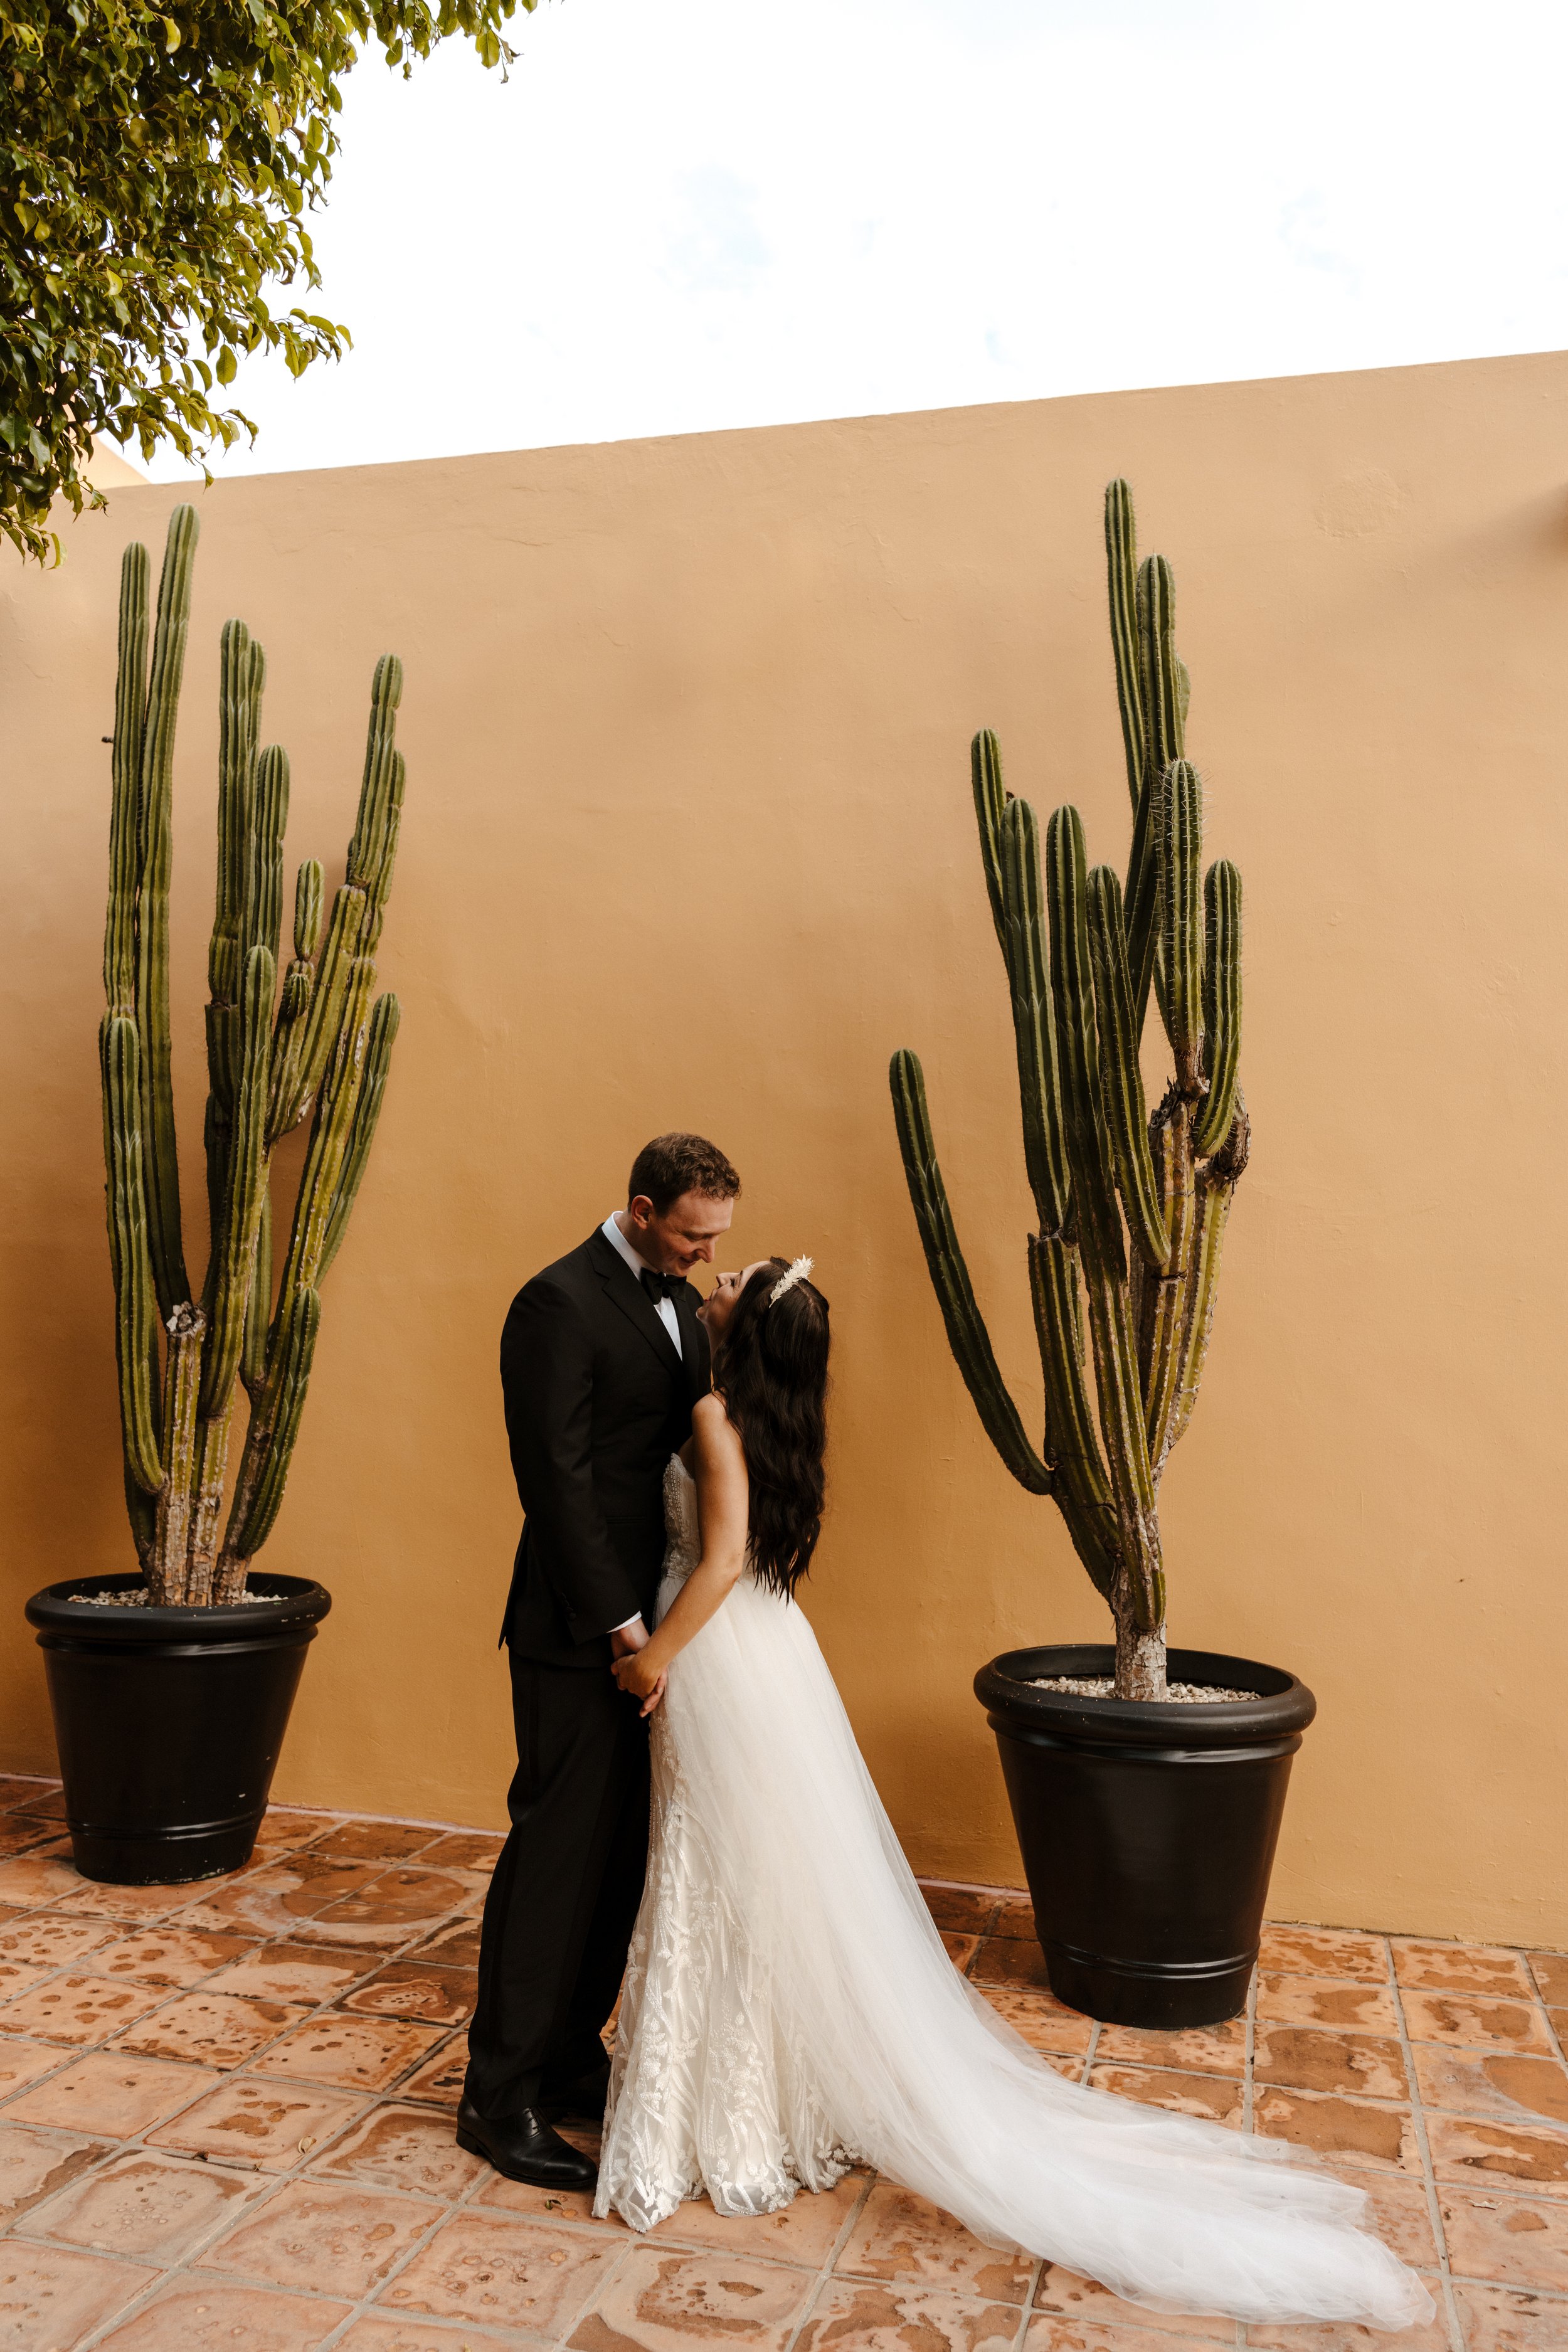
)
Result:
{"points": [[597, 1402], [597, 1398]]}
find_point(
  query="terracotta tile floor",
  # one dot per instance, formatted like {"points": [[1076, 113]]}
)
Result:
{"points": [[225, 2122]]}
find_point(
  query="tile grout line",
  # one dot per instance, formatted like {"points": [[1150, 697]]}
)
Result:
{"points": [[1248, 2060], [189, 2263], [846, 2231], [1428, 2170]]}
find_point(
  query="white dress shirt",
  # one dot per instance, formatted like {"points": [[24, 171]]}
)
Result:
{"points": [[663, 1308]]}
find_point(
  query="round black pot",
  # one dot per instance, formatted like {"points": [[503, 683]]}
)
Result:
{"points": [[1147, 1830], [169, 1722]]}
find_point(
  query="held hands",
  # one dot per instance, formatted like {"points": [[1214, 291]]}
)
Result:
{"points": [[642, 1680], [643, 1677]]}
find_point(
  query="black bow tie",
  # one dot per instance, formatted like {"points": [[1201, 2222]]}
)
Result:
{"points": [[660, 1286]]}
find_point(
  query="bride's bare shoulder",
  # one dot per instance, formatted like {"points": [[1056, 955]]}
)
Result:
{"points": [[715, 1439]]}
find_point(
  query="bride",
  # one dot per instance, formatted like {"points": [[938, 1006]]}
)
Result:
{"points": [[789, 2008]]}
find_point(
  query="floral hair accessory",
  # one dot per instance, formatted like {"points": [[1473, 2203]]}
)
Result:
{"points": [[797, 1272]]}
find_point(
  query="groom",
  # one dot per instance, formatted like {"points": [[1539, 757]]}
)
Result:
{"points": [[601, 1361]]}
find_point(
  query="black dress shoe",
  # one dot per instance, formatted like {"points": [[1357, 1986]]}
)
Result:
{"points": [[582, 2099], [524, 2147]]}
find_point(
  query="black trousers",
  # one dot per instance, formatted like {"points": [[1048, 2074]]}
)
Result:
{"points": [[565, 1896]]}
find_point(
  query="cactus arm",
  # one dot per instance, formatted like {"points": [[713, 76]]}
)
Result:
{"points": [[181, 1382], [1216, 1185], [160, 1170], [308, 909], [325, 1017], [135, 1295], [384, 1025], [1222, 1005], [1121, 575], [1034, 1029], [129, 718], [263, 924], [298, 986], [1166, 1297], [1121, 1081], [288, 1045], [298, 1351], [374, 847], [1100, 1224], [1197, 1322], [258, 1306], [234, 785], [380, 881], [235, 1236], [1163, 715], [269, 1443], [990, 802], [1077, 1046], [1164, 722], [967, 1332], [1080, 1484], [330, 1134], [1180, 917]]}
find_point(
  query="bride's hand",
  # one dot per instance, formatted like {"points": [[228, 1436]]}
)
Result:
{"points": [[656, 1694], [642, 1678]]}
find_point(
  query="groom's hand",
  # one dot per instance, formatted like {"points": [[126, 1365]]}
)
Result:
{"points": [[626, 1639]]}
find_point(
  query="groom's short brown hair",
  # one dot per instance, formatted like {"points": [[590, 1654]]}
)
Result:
{"points": [[673, 1164]]}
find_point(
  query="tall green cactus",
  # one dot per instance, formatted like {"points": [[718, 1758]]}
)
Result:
{"points": [[321, 1046], [1131, 1209]]}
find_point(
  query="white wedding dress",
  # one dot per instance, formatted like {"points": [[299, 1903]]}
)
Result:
{"points": [[789, 2008]]}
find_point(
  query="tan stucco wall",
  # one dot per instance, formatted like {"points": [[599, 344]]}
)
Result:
{"points": [[689, 842]]}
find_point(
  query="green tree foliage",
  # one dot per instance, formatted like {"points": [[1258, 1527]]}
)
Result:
{"points": [[158, 159]]}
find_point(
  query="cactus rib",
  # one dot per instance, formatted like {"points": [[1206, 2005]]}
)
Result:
{"points": [[234, 1256], [124, 825], [385, 1019], [1045, 1158], [160, 1173], [1122, 1080], [129, 1259], [1181, 921], [1222, 1005]]}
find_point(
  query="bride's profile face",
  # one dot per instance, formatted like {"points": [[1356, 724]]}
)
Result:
{"points": [[720, 1304]]}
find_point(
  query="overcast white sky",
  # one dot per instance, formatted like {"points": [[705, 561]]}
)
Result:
{"points": [[687, 214]]}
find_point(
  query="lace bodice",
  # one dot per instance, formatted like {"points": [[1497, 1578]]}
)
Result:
{"points": [[682, 1532]]}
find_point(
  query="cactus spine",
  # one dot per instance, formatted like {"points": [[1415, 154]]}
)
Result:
{"points": [[1131, 1209], [319, 1048]]}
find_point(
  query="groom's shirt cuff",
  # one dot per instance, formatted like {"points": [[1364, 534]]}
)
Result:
{"points": [[625, 1623]]}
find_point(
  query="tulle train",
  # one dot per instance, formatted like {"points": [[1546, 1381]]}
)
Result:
{"points": [[790, 2008]]}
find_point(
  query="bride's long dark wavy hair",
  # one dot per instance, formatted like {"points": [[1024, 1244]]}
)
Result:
{"points": [[770, 1369]]}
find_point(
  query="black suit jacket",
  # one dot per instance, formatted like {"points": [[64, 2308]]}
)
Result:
{"points": [[597, 1402]]}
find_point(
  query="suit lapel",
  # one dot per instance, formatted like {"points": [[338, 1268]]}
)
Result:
{"points": [[622, 1287]]}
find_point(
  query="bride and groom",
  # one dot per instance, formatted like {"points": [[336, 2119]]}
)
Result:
{"points": [[690, 1814]]}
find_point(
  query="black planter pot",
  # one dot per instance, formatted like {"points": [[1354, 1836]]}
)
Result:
{"points": [[169, 1722], [1147, 1830]]}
